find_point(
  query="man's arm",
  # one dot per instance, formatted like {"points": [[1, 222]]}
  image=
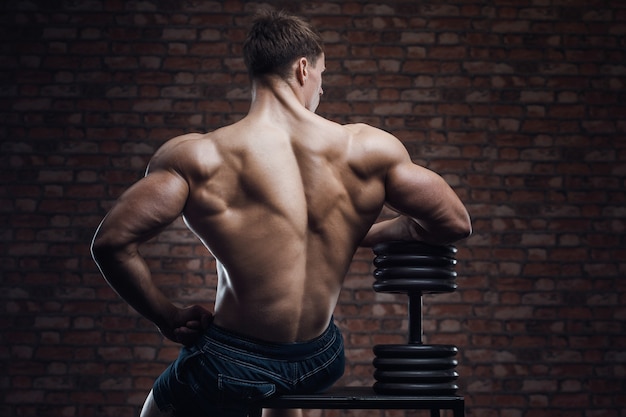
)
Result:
{"points": [[429, 209], [142, 212]]}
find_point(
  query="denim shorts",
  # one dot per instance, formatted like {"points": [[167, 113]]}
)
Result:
{"points": [[224, 373]]}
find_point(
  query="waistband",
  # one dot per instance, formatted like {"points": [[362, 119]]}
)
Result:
{"points": [[285, 351]]}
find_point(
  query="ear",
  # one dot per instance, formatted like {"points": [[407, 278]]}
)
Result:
{"points": [[302, 70]]}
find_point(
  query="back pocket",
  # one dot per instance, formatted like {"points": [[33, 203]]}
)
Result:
{"points": [[241, 389]]}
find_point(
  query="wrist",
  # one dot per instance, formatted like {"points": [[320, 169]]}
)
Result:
{"points": [[165, 315]]}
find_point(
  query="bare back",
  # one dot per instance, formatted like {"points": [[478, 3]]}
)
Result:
{"points": [[283, 212]]}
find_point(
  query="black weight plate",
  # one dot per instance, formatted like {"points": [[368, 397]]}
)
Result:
{"points": [[408, 364], [398, 247], [415, 285], [391, 388], [415, 351], [413, 260], [416, 377], [413, 272]]}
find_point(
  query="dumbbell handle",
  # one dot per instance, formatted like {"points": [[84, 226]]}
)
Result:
{"points": [[415, 318]]}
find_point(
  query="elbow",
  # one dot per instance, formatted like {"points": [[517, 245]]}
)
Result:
{"points": [[105, 246], [462, 229], [465, 232], [99, 248], [458, 229]]}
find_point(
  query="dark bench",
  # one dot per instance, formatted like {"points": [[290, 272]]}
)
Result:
{"points": [[363, 398]]}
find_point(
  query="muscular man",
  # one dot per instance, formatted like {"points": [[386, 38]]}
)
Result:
{"points": [[282, 199]]}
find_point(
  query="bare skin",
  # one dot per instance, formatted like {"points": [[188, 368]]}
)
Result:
{"points": [[282, 199]]}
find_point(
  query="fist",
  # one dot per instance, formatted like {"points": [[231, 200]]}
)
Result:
{"points": [[187, 325]]}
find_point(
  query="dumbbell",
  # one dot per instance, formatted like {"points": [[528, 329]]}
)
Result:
{"points": [[415, 268]]}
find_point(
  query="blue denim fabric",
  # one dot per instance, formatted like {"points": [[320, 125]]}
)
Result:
{"points": [[224, 372]]}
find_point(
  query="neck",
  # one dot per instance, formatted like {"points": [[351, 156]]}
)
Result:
{"points": [[277, 97]]}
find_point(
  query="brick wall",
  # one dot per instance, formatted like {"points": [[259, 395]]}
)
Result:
{"points": [[520, 104]]}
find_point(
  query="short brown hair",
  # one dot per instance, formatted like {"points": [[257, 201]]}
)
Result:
{"points": [[275, 40]]}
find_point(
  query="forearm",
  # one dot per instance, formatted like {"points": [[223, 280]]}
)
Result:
{"points": [[127, 273], [389, 230], [406, 228]]}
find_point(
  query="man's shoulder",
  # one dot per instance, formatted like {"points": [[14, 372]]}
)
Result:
{"points": [[181, 152], [187, 140], [373, 151], [373, 138], [360, 128]]}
